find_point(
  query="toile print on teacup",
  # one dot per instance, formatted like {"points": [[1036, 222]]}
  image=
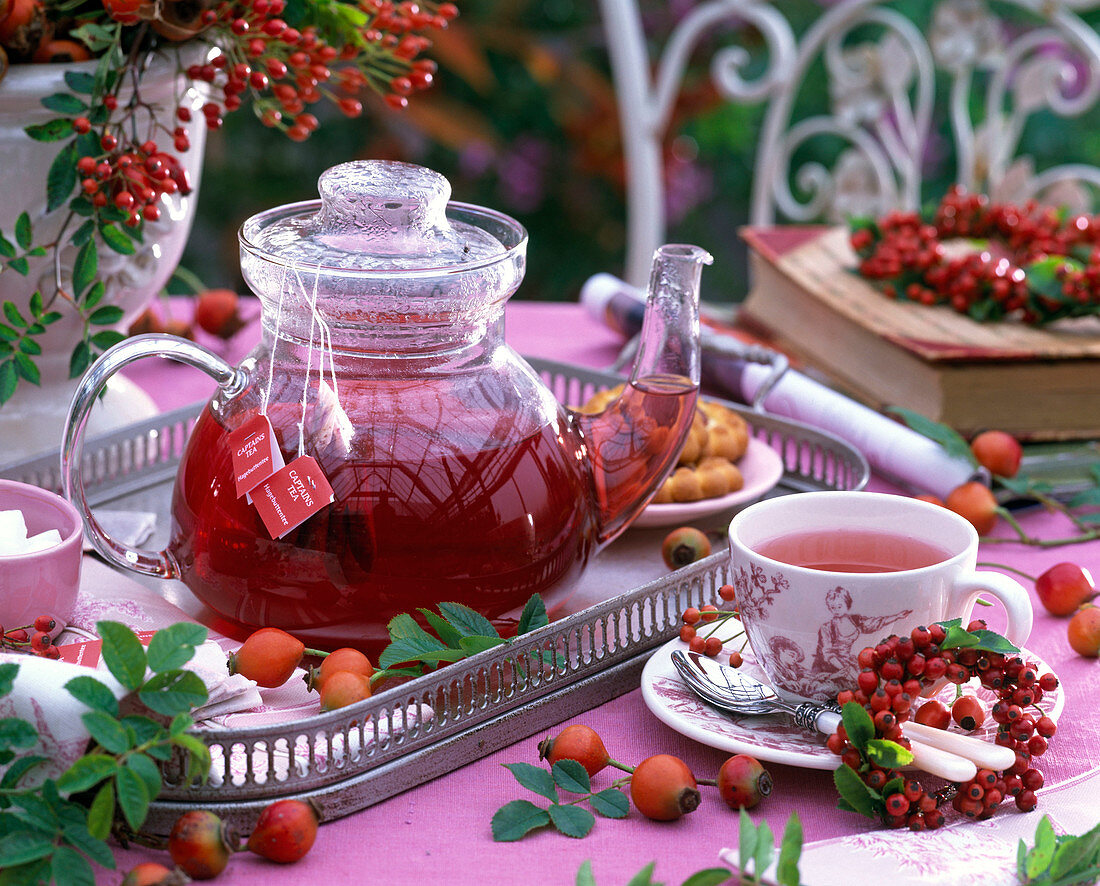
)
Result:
{"points": [[807, 623], [844, 631]]}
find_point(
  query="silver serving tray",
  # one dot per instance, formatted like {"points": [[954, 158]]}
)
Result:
{"points": [[356, 756]]}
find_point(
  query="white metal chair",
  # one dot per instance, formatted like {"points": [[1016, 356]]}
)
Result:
{"points": [[882, 75]]}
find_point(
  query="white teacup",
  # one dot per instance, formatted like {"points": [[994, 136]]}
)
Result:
{"points": [[821, 575]]}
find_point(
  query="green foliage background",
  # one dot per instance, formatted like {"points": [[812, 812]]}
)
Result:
{"points": [[523, 119]]}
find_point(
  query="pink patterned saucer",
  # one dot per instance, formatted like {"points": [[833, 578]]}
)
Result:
{"points": [[774, 738]]}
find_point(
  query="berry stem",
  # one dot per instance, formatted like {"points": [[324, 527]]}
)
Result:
{"points": [[991, 565], [316, 653], [621, 766]]}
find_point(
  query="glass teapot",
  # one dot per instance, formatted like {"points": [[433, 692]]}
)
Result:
{"points": [[455, 475]]}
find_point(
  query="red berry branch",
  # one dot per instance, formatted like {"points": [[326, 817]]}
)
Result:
{"points": [[893, 675], [1037, 264], [121, 153]]}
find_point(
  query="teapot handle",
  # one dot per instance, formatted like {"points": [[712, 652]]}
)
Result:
{"points": [[231, 380]]}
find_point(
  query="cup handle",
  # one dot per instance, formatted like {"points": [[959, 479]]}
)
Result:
{"points": [[231, 380], [1008, 591]]}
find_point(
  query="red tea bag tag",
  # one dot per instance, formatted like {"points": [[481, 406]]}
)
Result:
{"points": [[292, 495], [255, 454]]}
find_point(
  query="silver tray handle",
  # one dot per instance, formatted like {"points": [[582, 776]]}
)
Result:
{"points": [[231, 380]]}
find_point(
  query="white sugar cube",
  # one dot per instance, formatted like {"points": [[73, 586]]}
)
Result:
{"points": [[43, 540], [13, 532]]}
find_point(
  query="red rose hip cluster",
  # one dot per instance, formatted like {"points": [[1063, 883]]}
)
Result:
{"points": [[893, 674]]}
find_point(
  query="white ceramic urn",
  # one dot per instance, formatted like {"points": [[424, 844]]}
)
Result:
{"points": [[31, 421]]}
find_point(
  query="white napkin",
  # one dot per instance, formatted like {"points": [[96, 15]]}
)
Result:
{"points": [[39, 697]]}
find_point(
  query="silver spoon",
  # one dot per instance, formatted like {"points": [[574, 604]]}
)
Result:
{"points": [[734, 692]]}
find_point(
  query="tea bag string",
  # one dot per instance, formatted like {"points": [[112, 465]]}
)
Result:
{"points": [[319, 328], [265, 398]]}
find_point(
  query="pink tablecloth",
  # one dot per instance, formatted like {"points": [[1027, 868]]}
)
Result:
{"points": [[440, 833]]}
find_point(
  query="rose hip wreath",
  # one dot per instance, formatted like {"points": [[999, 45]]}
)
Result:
{"points": [[1041, 264], [893, 675]]}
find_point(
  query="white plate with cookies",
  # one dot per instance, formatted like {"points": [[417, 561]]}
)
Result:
{"points": [[761, 468]]}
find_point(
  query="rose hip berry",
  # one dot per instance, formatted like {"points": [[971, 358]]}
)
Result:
{"points": [[684, 546], [285, 831], [345, 659], [217, 312], [1083, 631], [1064, 587], [663, 788], [150, 873], [975, 502], [743, 782], [200, 844], [269, 656], [576, 742], [998, 452], [968, 712], [344, 688]]}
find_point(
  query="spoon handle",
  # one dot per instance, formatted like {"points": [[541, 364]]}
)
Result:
{"points": [[945, 764], [954, 761], [984, 753]]}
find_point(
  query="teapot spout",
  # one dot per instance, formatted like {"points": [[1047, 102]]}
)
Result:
{"points": [[635, 441]]}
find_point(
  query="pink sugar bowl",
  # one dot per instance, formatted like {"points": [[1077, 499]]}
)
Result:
{"points": [[40, 572]]}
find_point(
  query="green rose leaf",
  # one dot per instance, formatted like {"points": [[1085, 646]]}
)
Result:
{"points": [[533, 616], [709, 877], [535, 779], [172, 647], [71, 868], [573, 821], [746, 840], [610, 803], [22, 846], [123, 653], [1040, 857], [569, 775], [515, 819], [474, 645], [854, 792], [644, 877], [86, 772], [147, 771], [106, 731], [19, 768], [858, 724], [468, 622], [443, 628], [17, 733], [765, 849], [173, 692], [98, 851], [947, 437], [102, 812], [94, 694], [133, 797], [790, 850]]}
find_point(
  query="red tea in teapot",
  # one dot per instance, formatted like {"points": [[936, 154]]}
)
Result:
{"points": [[418, 519], [455, 474]]}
